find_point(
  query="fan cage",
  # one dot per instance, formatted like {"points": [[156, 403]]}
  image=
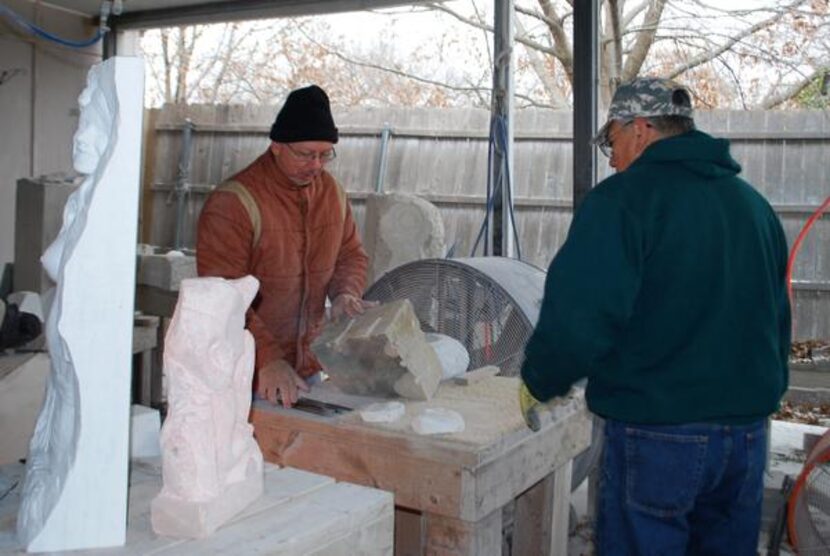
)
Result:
{"points": [[489, 304]]}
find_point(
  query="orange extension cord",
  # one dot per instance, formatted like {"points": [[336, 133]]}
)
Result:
{"points": [[797, 245]]}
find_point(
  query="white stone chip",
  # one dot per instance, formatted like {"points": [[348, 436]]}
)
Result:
{"points": [[382, 412], [451, 353], [438, 420]]}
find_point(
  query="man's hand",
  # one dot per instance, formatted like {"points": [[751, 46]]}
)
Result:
{"points": [[536, 412], [348, 305], [530, 407], [279, 380]]}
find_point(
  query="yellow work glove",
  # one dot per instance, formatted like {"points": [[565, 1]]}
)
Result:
{"points": [[529, 406]]}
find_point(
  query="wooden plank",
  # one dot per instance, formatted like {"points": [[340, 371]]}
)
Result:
{"points": [[466, 474], [533, 518], [479, 200], [561, 509], [520, 467], [542, 515], [149, 144], [350, 455], [481, 135], [299, 513], [372, 538], [446, 536], [326, 516], [409, 532]]}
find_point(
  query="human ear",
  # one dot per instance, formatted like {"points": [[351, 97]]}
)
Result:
{"points": [[644, 133]]}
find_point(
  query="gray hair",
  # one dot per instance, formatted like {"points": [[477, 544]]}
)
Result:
{"points": [[668, 126]]}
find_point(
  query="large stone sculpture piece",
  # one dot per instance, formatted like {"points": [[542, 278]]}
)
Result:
{"points": [[211, 464], [382, 352], [75, 490], [401, 228]]}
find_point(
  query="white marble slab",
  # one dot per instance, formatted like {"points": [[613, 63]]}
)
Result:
{"points": [[75, 492]]}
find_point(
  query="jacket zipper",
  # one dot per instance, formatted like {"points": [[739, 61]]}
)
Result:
{"points": [[301, 332]]}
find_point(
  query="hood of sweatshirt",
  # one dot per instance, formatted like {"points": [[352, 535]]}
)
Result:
{"points": [[699, 152]]}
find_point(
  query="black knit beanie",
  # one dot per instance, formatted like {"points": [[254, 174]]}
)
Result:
{"points": [[305, 116]]}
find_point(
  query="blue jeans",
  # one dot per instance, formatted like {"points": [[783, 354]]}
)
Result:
{"points": [[681, 489]]}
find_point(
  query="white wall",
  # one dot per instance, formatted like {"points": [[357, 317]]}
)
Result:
{"points": [[38, 105]]}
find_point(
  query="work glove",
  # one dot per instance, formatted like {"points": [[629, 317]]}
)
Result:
{"points": [[537, 412], [530, 407]]}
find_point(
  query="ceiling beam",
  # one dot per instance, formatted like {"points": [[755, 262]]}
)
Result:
{"points": [[238, 10]]}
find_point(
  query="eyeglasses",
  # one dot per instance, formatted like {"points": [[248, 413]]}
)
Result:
{"points": [[606, 146], [308, 157]]}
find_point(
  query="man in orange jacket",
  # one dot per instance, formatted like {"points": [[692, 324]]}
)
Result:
{"points": [[286, 221]]}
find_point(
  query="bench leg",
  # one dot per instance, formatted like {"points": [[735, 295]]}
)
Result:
{"points": [[542, 514]]}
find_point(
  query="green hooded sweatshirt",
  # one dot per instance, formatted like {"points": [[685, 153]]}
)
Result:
{"points": [[669, 294]]}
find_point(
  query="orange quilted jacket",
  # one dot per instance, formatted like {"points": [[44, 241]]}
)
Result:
{"points": [[308, 248]]}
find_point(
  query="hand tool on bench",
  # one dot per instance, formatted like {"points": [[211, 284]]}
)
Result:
{"points": [[317, 407]]}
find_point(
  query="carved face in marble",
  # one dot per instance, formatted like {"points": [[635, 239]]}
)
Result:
{"points": [[95, 134], [95, 124]]}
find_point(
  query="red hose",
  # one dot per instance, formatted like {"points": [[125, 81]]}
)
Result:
{"points": [[797, 245]]}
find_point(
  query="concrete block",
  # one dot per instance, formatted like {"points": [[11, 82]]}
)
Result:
{"points": [[145, 425], [401, 228], [38, 217], [382, 352], [165, 271]]}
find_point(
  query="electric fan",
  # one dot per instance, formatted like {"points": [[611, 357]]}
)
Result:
{"points": [[489, 304], [808, 511]]}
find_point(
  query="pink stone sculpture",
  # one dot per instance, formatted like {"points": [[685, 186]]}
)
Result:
{"points": [[211, 465]]}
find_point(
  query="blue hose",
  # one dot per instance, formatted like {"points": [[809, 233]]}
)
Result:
{"points": [[498, 140], [37, 31]]}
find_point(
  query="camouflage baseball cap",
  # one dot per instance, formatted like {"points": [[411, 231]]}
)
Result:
{"points": [[647, 97]]}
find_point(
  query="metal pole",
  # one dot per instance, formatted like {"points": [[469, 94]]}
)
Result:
{"points": [[501, 172], [110, 43], [182, 189], [384, 148], [586, 81]]}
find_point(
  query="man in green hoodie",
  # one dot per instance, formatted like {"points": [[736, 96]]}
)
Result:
{"points": [[669, 296]]}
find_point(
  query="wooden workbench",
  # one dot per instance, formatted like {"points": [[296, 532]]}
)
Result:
{"points": [[450, 490], [299, 513]]}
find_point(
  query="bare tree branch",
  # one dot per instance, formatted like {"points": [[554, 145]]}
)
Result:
{"points": [[613, 48], [561, 47], [645, 38], [536, 15], [544, 74], [707, 56], [519, 39], [775, 99], [634, 12], [379, 67]]}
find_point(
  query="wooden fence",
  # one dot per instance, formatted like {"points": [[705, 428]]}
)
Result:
{"points": [[441, 155]]}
